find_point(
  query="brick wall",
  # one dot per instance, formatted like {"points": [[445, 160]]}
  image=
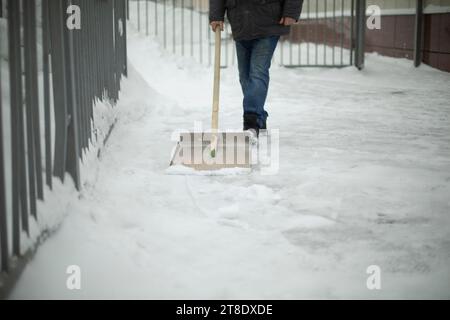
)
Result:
{"points": [[395, 39]]}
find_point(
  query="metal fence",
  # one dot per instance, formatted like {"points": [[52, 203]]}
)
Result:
{"points": [[51, 77], [325, 37]]}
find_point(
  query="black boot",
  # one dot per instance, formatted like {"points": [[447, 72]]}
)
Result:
{"points": [[264, 126], [251, 123]]}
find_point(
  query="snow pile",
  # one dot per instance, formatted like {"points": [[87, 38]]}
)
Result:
{"points": [[364, 180]]}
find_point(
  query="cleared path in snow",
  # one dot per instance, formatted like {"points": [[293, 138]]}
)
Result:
{"points": [[364, 180]]}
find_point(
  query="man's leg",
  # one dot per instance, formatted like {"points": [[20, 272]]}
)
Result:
{"points": [[258, 83], [244, 52]]}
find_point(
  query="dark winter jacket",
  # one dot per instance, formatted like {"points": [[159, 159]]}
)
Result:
{"points": [[252, 19]]}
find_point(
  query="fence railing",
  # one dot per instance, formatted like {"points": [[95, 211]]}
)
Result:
{"points": [[325, 36], [51, 77]]}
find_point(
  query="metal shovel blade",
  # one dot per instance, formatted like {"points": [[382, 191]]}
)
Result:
{"points": [[193, 150]]}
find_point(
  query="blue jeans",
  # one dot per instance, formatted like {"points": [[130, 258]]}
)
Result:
{"points": [[254, 60]]}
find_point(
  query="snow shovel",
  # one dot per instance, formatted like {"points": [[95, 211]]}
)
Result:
{"points": [[214, 150]]}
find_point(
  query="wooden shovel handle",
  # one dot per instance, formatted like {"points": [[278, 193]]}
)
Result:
{"points": [[216, 92]]}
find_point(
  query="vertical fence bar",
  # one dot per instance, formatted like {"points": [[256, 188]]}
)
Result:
{"points": [[146, 18], [299, 46], [200, 35], [290, 47], [334, 33], [139, 14], [24, 204], [113, 53], [87, 78], [123, 62], [342, 31], [30, 103], [59, 86], [29, 106], [93, 54], [4, 250], [325, 25], [156, 17], [116, 45], [173, 27], [106, 29], [418, 34], [91, 60], [360, 33], [119, 15], [317, 33], [100, 49], [19, 197], [124, 49], [308, 30], [192, 28], [46, 87], [104, 46], [118, 31], [165, 23], [22, 139], [352, 32], [82, 77], [73, 150], [35, 99], [182, 27]]}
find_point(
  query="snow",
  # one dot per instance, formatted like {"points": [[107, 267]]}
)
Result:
{"points": [[364, 180], [183, 170]]}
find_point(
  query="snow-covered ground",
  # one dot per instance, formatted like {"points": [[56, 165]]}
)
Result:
{"points": [[364, 180]]}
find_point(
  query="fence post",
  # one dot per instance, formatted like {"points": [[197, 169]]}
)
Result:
{"points": [[35, 95], [46, 87], [32, 106], [73, 148], [19, 192], [352, 31], [139, 14], [59, 87], [146, 18], [3, 226], [66, 140], [418, 34], [360, 33], [124, 27]]}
